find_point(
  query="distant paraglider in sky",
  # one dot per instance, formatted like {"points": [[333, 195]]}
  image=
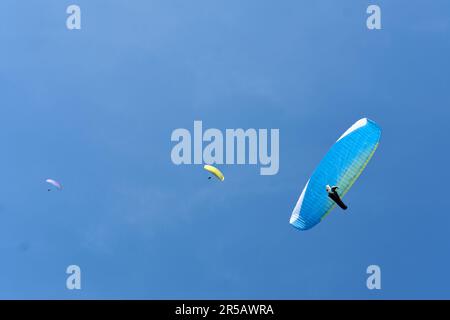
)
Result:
{"points": [[216, 172], [340, 168], [55, 184]]}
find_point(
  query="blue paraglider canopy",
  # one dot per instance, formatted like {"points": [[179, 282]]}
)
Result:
{"points": [[340, 167]]}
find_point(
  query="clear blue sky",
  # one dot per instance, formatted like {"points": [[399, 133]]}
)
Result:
{"points": [[95, 109]]}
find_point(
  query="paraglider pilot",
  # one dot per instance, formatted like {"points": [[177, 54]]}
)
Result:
{"points": [[332, 193]]}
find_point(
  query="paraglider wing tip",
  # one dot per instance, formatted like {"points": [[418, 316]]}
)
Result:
{"points": [[299, 225]]}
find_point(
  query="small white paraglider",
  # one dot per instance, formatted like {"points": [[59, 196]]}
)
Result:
{"points": [[55, 184]]}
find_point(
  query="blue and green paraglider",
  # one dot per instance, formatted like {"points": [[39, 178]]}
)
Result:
{"points": [[336, 173]]}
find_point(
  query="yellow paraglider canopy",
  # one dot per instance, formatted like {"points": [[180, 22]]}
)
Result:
{"points": [[214, 171]]}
